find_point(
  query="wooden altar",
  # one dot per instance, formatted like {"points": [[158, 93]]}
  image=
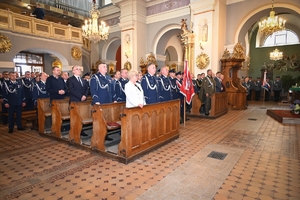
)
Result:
{"points": [[230, 65]]}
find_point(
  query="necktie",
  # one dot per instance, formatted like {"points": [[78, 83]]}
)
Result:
{"points": [[79, 80]]}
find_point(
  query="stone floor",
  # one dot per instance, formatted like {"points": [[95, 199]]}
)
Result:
{"points": [[262, 162]]}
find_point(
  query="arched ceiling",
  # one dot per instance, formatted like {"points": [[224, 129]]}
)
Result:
{"points": [[164, 40]]}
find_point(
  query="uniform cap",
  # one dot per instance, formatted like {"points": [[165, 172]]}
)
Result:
{"points": [[172, 71], [178, 73]]}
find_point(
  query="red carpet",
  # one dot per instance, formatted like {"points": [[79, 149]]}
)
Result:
{"points": [[284, 116]]}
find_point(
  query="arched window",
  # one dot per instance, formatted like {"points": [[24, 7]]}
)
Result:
{"points": [[284, 37]]}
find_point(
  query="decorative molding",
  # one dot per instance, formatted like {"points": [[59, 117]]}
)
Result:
{"points": [[183, 11], [166, 6]]}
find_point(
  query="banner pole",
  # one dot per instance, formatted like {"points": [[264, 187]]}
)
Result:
{"points": [[184, 107]]}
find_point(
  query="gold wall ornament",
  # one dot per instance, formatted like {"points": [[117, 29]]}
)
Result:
{"points": [[5, 44], [127, 65], [57, 63], [76, 52], [238, 52], [202, 60]]}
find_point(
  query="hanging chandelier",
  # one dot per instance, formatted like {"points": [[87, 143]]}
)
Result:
{"points": [[91, 30], [276, 55], [272, 24]]}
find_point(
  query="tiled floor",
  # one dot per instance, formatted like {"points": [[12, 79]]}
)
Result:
{"points": [[262, 163]]}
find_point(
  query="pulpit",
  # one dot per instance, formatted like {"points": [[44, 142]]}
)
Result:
{"points": [[230, 65]]}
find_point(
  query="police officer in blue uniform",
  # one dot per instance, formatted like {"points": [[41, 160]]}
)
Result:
{"points": [[14, 99], [150, 86], [39, 89], [164, 85], [119, 87], [172, 78], [100, 86], [5, 78], [27, 82]]}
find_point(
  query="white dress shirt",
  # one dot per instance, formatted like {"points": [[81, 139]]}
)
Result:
{"points": [[134, 95]]}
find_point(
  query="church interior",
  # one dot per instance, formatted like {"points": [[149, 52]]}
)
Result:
{"points": [[240, 151]]}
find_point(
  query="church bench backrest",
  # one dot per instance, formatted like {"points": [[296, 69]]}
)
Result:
{"points": [[148, 127], [80, 114], [103, 114], [44, 110], [60, 112]]}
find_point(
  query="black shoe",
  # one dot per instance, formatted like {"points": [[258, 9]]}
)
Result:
{"points": [[108, 138], [10, 131], [187, 119], [206, 114], [84, 134], [21, 129]]}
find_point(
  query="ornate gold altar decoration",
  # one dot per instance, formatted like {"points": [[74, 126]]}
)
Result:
{"points": [[272, 24], [238, 53], [5, 44], [57, 63], [143, 64], [127, 65], [226, 54], [91, 30], [76, 53], [188, 40], [202, 60]]}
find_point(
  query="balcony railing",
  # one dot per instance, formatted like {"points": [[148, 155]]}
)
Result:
{"points": [[30, 25]]}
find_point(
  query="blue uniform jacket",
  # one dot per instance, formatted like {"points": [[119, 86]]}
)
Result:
{"points": [[119, 94], [150, 88], [39, 91], [100, 88], [13, 93], [165, 91]]}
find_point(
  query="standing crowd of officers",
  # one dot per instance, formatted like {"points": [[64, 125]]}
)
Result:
{"points": [[19, 94], [271, 87]]}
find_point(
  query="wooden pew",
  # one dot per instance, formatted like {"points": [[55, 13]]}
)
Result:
{"points": [[148, 128], [60, 112], [103, 114], [29, 116], [219, 105], [44, 112], [80, 115]]}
